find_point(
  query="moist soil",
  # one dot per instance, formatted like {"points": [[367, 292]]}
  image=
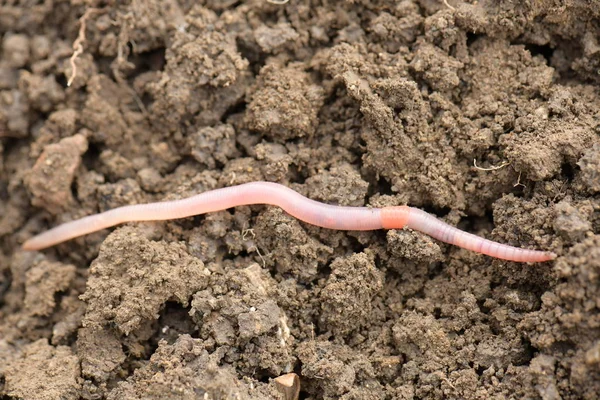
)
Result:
{"points": [[484, 113]]}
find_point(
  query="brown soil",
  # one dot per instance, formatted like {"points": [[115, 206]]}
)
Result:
{"points": [[348, 102]]}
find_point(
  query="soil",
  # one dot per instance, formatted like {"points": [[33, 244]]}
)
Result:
{"points": [[484, 113]]}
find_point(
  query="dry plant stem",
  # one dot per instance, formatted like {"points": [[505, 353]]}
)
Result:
{"points": [[307, 210]]}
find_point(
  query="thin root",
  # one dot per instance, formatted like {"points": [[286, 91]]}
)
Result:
{"points": [[519, 181], [247, 232], [250, 232], [250, 249], [78, 43], [494, 168], [448, 5]]}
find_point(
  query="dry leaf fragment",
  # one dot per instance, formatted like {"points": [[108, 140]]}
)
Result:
{"points": [[288, 385]]}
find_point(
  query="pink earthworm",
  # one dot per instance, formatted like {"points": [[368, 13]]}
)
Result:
{"points": [[304, 209]]}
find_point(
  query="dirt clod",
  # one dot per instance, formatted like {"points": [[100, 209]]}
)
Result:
{"points": [[114, 291], [44, 372], [482, 113], [52, 175]]}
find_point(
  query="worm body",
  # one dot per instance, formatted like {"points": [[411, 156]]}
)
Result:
{"points": [[300, 207]]}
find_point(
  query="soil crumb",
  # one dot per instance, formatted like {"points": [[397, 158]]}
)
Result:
{"points": [[483, 113]]}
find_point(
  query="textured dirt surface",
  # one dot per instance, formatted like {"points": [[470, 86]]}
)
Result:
{"points": [[484, 113]]}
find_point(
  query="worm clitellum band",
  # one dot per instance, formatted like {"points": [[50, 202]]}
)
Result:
{"points": [[307, 210]]}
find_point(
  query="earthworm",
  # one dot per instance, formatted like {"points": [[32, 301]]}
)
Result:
{"points": [[295, 204]]}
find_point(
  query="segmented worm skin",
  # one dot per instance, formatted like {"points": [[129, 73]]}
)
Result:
{"points": [[421, 221], [305, 209]]}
